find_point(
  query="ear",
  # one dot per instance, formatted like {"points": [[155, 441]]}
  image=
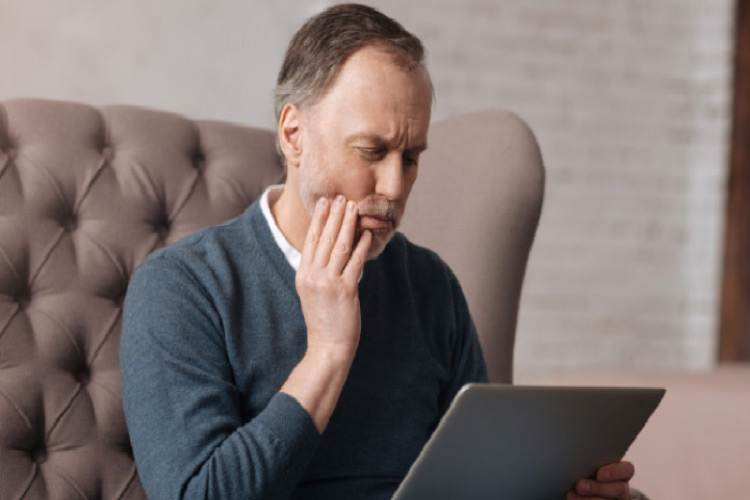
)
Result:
{"points": [[290, 134]]}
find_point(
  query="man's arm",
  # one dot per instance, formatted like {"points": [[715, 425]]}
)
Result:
{"points": [[327, 284], [179, 393], [182, 404]]}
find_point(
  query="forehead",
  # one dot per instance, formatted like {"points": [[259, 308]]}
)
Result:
{"points": [[374, 95]]}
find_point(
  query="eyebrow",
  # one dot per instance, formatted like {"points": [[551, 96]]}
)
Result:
{"points": [[381, 141]]}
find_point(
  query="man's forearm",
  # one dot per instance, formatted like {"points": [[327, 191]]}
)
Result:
{"points": [[327, 284], [316, 382]]}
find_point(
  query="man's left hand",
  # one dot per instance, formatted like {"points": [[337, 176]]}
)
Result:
{"points": [[612, 481]]}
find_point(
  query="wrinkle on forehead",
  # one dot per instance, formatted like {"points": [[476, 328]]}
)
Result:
{"points": [[393, 142], [375, 97]]}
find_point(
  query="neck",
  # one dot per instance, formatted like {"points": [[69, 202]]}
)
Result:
{"points": [[291, 216]]}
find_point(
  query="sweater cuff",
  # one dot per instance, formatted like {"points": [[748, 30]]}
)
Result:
{"points": [[291, 426]]}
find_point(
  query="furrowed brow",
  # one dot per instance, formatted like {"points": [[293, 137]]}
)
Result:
{"points": [[419, 148], [375, 139], [382, 141]]}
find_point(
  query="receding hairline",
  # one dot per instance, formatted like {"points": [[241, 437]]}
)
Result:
{"points": [[319, 50], [396, 56]]}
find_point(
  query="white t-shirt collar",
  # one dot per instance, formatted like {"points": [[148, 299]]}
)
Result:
{"points": [[293, 256]]}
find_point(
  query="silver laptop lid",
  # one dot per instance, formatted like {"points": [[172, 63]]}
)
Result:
{"points": [[526, 442]]}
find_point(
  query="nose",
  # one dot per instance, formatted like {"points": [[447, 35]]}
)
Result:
{"points": [[390, 178]]}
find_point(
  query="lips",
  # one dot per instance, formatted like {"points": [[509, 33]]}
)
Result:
{"points": [[375, 222]]}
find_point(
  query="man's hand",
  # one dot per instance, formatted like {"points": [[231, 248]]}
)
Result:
{"points": [[327, 280], [612, 481], [328, 288]]}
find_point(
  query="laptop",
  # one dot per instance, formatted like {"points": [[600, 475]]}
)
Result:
{"points": [[510, 442]]}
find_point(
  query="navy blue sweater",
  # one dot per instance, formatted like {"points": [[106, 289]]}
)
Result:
{"points": [[212, 328]]}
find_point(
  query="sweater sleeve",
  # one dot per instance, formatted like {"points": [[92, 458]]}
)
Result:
{"points": [[182, 405]]}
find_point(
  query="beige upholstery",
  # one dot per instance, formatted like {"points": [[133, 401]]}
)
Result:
{"points": [[696, 446], [477, 202], [86, 193]]}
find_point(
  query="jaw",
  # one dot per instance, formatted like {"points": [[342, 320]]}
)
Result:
{"points": [[380, 239]]}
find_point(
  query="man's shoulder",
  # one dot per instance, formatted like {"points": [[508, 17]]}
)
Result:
{"points": [[209, 247], [207, 240]]}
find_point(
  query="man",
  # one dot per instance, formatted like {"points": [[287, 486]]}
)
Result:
{"points": [[305, 349]]}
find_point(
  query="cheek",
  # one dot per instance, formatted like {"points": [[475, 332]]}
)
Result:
{"points": [[352, 178], [342, 171], [358, 184], [315, 173]]}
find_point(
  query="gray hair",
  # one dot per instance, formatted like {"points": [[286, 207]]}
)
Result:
{"points": [[320, 48]]}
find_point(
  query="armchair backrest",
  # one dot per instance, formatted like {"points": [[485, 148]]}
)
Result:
{"points": [[87, 193], [477, 202]]}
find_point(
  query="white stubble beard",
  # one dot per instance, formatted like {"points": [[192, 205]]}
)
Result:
{"points": [[312, 187]]}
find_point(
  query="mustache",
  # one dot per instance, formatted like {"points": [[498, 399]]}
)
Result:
{"points": [[380, 208]]}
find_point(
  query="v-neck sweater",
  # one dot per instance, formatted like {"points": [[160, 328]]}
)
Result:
{"points": [[211, 330]]}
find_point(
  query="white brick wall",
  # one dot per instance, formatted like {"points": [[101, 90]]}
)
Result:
{"points": [[629, 99], [630, 102]]}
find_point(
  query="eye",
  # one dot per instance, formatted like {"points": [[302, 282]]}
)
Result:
{"points": [[411, 160], [372, 154]]}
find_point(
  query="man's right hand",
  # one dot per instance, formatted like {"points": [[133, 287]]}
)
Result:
{"points": [[327, 280], [327, 284]]}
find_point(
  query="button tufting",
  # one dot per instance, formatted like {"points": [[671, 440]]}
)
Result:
{"points": [[162, 228], [107, 152], [24, 300], [39, 455], [70, 223], [83, 376], [198, 158], [119, 300]]}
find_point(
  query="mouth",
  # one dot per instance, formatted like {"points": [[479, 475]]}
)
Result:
{"points": [[375, 222]]}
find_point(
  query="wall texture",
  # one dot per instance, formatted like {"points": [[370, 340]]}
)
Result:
{"points": [[202, 58], [629, 99]]}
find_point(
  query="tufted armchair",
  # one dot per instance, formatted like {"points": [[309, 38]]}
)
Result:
{"points": [[87, 193]]}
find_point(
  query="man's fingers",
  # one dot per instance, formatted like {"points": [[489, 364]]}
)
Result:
{"points": [[621, 471], [573, 496], [357, 261], [587, 488], [320, 216], [330, 232], [343, 249], [611, 483]]}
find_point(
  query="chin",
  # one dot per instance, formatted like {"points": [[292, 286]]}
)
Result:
{"points": [[379, 241]]}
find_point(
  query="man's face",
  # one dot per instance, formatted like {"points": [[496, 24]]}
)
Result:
{"points": [[363, 139]]}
